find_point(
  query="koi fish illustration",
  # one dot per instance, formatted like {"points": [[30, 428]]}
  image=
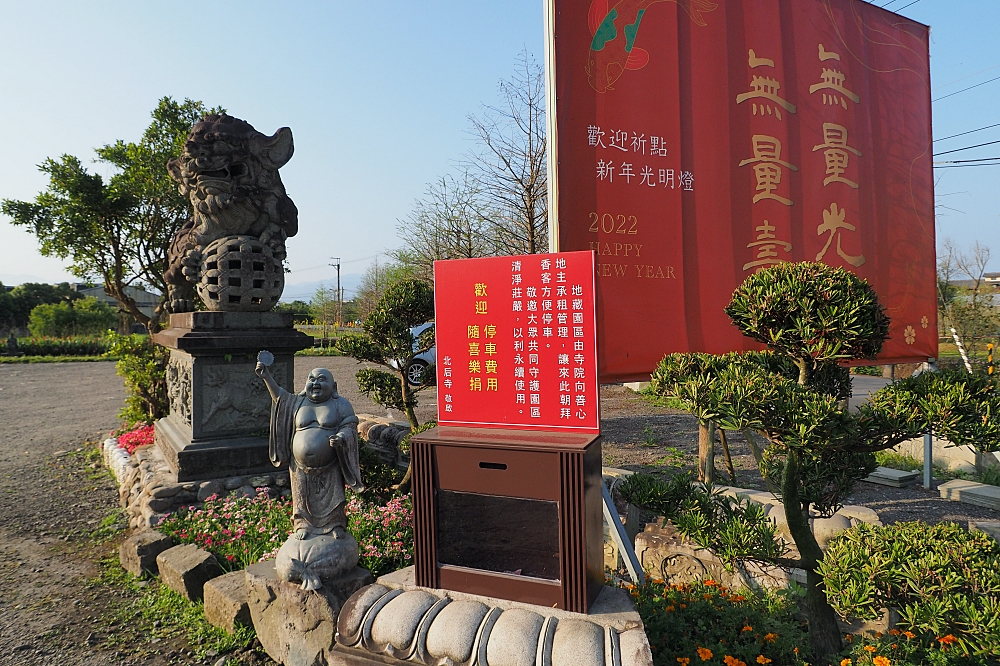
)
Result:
{"points": [[613, 48]]}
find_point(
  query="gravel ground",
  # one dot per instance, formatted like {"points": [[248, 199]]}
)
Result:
{"points": [[52, 500]]}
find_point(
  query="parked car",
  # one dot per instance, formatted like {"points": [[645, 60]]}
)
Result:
{"points": [[415, 370]]}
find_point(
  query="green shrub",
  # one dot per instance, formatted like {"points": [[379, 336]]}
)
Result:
{"points": [[900, 461], [86, 316], [707, 623], [870, 370], [143, 366], [73, 346], [379, 477], [905, 648], [991, 475], [941, 579]]}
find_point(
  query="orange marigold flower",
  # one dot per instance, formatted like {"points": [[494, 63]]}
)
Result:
{"points": [[947, 640], [870, 648], [881, 661], [683, 661], [846, 662], [706, 596], [733, 661], [894, 632], [748, 628], [737, 597], [894, 646], [670, 608], [795, 650], [879, 634], [849, 637], [704, 653], [909, 634], [770, 637], [761, 659], [710, 582], [683, 605]]}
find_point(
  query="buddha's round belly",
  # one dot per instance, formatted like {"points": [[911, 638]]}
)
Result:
{"points": [[311, 447]]}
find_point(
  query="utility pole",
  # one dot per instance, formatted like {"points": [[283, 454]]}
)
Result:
{"points": [[339, 297]]}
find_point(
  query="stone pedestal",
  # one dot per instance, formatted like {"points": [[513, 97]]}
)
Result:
{"points": [[297, 627], [219, 409]]}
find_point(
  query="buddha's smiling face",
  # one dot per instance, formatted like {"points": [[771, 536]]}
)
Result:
{"points": [[320, 386]]}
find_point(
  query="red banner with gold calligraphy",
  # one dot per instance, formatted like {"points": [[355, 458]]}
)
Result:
{"points": [[699, 141]]}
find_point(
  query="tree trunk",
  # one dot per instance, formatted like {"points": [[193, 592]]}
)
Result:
{"points": [[729, 458], [706, 451], [411, 416], [758, 455], [824, 632]]}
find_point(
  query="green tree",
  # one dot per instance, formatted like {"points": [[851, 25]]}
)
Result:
{"points": [[26, 296], [86, 316], [143, 366], [812, 317], [323, 308], [6, 308], [377, 278], [117, 231], [388, 341]]}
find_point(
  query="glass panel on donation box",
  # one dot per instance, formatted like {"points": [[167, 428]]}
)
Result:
{"points": [[508, 535]]}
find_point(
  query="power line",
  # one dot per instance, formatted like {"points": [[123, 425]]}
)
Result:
{"points": [[964, 89], [905, 6], [958, 150], [964, 133], [962, 166], [981, 159], [968, 76]]}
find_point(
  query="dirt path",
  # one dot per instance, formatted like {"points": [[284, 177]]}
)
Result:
{"points": [[51, 499]]}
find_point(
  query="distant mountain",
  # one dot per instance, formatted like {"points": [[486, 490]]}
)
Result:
{"points": [[303, 291]]}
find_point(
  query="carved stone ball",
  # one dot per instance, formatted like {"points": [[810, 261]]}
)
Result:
{"points": [[240, 274]]}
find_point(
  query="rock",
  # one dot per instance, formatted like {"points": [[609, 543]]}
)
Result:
{"points": [[297, 627], [259, 481], [138, 552], [634, 647], [244, 491], [825, 529], [282, 480], [208, 488], [185, 570], [234, 483], [971, 492], [286, 492], [226, 601], [159, 505], [168, 490]]}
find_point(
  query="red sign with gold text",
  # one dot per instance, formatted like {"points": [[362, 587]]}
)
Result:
{"points": [[517, 342], [699, 141]]}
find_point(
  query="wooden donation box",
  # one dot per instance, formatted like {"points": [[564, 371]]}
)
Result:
{"points": [[507, 489]]}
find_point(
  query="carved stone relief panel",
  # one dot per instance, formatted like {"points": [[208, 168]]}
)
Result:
{"points": [[179, 386], [234, 400]]}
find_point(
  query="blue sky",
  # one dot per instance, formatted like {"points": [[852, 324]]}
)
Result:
{"points": [[377, 96]]}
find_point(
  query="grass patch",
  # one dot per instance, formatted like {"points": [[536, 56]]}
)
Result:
{"points": [[53, 359], [907, 463], [153, 610], [319, 351], [869, 370]]}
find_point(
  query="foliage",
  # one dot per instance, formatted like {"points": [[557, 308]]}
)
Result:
{"points": [[377, 278], [117, 230], [811, 313], [384, 533], [143, 365], [387, 341], [323, 308], [383, 388], [905, 648], [869, 370], [942, 580], [17, 304], [86, 316], [815, 317], [73, 346], [991, 475], [508, 166], [404, 445], [966, 309], [379, 477], [238, 530], [706, 623], [735, 529], [444, 224], [136, 437], [16, 360], [151, 608]]}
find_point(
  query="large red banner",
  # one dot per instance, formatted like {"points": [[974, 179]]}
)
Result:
{"points": [[698, 141], [517, 342]]}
